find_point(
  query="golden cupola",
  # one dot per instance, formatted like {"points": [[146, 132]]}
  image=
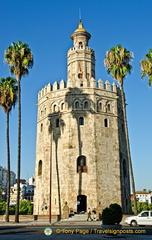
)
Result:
{"points": [[81, 34]]}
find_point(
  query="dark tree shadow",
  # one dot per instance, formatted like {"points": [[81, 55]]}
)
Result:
{"points": [[124, 172], [56, 125]]}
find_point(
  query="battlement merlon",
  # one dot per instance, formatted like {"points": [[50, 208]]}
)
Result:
{"points": [[73, 49], [64, 85]]}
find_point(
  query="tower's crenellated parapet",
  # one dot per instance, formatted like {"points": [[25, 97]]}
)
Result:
{"points": [[69, 84]]}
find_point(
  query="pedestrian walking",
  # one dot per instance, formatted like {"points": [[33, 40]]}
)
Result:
{"points": [[89, 215]]}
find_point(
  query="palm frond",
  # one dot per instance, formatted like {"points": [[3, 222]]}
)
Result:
{"points": [[117, 62], [146, 67], [8, 93], [19, 58]]}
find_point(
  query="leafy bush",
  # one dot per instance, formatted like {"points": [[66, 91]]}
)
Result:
{"points": [[150, 206], [25, 207], [12, 209], [2, 206], [112, 215]]}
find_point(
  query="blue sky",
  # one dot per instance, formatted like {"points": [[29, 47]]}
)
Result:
{"points": [[46, 26]]}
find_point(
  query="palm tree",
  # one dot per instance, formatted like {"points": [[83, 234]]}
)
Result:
{"points": [[117, 61], [8, 99], [146, 67], [19, 58]]}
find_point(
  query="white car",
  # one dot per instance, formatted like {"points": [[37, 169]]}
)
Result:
{"points": [[143, 218]]}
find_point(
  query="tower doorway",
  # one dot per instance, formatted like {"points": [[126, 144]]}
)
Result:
{"points": [[81, 203]]}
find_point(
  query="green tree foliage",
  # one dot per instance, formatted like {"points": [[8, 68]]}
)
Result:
{"points": [[8, 93], [146, 67], [117, 61], [19, 58], [150, 206], [2, 206], [12, 209], [25, 207], [142, 206]]}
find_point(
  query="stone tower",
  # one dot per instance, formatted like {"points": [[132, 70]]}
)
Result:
{"points": [[81, 154]]}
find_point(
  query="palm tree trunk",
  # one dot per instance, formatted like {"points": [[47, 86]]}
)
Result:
{"points": [[128, 148], [50, 194], [19, 153], [8, 168], [58, 178], [80, 153]]}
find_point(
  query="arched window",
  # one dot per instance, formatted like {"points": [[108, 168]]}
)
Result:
{"points": [[106, 122], [40, 168], [81, 164], [86, 105], [57, 123], [99, 106], [62, 106], [77, 105], [55, 108], [81, 121], [108, 107], [80, 45]]}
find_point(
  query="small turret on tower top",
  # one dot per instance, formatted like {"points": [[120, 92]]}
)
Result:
{"points": [[80, 35], [81, 60]]}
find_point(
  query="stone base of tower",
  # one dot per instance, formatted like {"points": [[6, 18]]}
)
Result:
{"points": [[81, 205], [54, 218]]}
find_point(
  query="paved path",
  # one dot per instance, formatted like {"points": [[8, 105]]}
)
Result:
{"points": [[71, 237], [56, 223], [64, 235]]}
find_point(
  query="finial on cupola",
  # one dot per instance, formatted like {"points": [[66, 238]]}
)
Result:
{"points": [[80, 19]]}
